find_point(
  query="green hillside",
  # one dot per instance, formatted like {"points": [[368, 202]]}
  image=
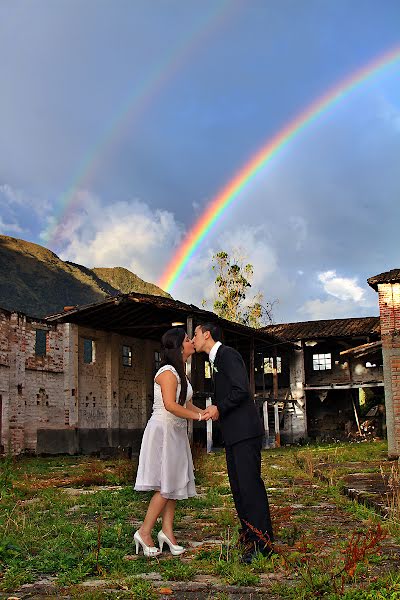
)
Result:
{"points": [[37, 282], [126, 281]]}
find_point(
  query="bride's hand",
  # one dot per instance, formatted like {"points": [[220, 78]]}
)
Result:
{"points": [[211, 413]]}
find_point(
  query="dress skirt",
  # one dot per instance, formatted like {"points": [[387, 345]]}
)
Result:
{"points": [[165, 460]]}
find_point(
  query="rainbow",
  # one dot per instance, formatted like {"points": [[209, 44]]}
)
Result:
{"points": [[224, 199], [133, 106]]}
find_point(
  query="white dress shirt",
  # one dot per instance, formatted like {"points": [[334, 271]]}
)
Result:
{"points": [[213, 352]]}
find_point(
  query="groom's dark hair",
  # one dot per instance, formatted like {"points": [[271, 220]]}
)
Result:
{"points": [[214, 330]]}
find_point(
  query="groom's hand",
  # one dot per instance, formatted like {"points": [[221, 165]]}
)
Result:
{"points": [[211, 413]]}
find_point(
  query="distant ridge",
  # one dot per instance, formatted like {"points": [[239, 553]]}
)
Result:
{"points": [[126, 281], [35, 281]]}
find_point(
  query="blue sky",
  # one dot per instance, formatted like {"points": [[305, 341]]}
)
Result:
{"points": [[206, 84]]}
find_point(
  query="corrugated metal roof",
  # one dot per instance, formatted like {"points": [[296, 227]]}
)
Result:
{"points": [[392, 276], [326, 328]]}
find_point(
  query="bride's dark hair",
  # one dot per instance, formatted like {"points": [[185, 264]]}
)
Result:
{"points": [[171, 354]]}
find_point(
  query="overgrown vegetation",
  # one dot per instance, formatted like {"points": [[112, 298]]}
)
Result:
{"points": [[69, 519]]}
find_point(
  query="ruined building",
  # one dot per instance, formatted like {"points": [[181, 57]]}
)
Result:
{"points": [[81, 381]]}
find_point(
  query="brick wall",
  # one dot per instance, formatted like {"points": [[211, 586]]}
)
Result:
{"points": [[31, 387], [92, 382], [60, 403], [389, 307]]}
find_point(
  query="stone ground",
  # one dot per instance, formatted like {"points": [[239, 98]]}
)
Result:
{"points": [[367, 483], [329, 522]]}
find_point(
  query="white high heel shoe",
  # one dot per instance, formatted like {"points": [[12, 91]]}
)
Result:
{"points": [[174, 548], [148, 551]]}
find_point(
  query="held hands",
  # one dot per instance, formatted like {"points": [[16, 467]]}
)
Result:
{"points": [[210, 413], [206, 414], [202, 416]]}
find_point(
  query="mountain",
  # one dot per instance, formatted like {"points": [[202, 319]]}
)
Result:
{"points": [[126, 281], [35, 281]]}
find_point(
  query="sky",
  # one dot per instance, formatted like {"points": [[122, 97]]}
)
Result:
{"points": [[120, 122]]}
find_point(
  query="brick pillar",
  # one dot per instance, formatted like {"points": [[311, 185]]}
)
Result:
{"points": [[71, 389], [112, 375], [389, 307], [17, 341]]}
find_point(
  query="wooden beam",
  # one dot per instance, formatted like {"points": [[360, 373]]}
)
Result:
{"points": [[275, 387]]}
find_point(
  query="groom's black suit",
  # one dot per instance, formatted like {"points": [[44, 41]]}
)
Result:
{"points": [[242, 431]]}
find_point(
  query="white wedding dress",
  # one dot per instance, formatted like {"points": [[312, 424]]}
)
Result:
{"points": [[165, 460]]}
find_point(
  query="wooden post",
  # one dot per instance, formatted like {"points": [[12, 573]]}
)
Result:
{"points": [[277, 432], [355, 412], [263, 373], [275, 393], [265, 404], [266, 423], [209, 428], [275, 387]]}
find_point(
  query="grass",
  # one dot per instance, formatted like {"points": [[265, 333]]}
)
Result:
{"points": [[51, 527]]}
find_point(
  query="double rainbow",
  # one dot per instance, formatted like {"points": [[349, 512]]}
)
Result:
{"points": [[134, 105], [259, 161]]}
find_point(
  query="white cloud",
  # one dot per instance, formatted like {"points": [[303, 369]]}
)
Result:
{"points": [[16, 199], [345, 298], [325, 309], [127, 234], [197, 281], [343, 288], [8, 228]]}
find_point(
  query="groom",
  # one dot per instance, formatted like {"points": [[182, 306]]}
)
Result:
{"points": [[242, 431]]}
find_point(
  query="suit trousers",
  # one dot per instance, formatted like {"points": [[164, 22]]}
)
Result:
{"points": [[243, 460]]}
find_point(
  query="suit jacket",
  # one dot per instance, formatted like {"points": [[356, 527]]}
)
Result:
{"points": [[239, 417]]}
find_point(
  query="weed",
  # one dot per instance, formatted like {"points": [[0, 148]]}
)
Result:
{"points": [[393, 497], [44, 530], [143, 590], [236, 574], [219, 596], [225, 517], [384, 588], [290, 534], [175, 570], [321, 576], [79, 594], [7, 474]]}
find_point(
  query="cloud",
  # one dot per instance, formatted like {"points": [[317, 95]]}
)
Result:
{"points": [[299, 227], [15, 199], [325, 309], [246, 242], [343, 288], [127, 234], [345, 298], [8, 228]]}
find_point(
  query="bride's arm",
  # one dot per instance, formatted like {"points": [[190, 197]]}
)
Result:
{"points": [[169, 385], [194, 408]]}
